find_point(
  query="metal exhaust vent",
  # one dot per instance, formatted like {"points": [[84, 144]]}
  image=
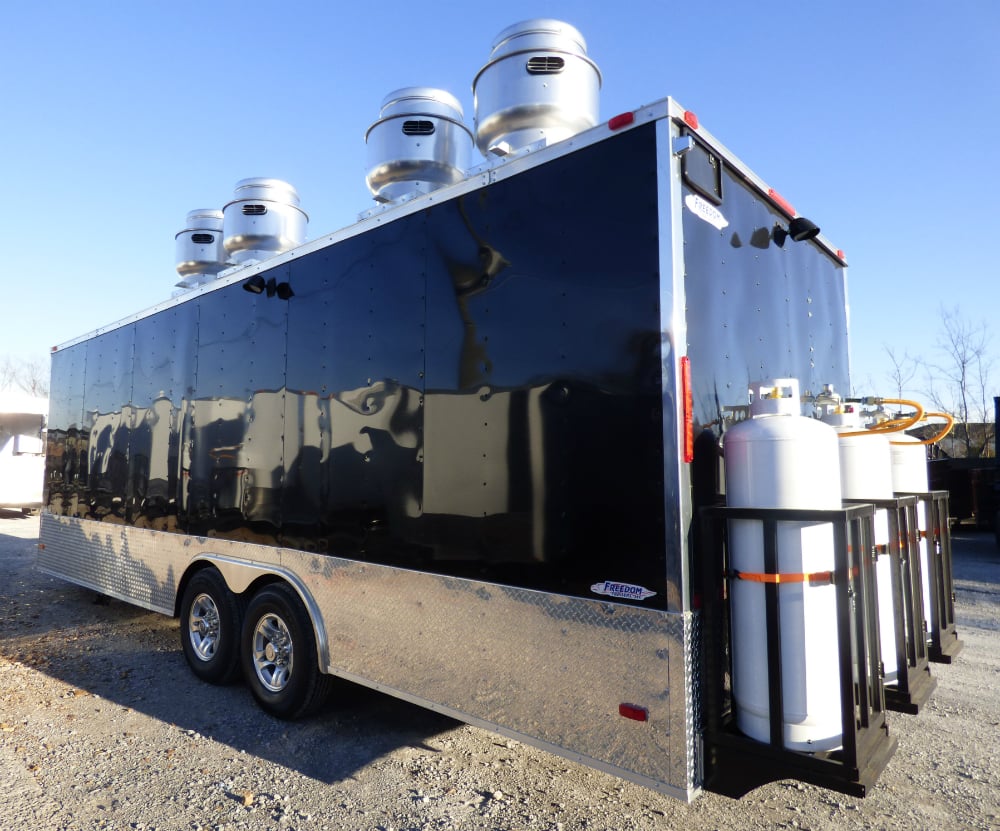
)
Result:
{"points": [[199, 251], [262, 220], [538, 84], [418, 144]]}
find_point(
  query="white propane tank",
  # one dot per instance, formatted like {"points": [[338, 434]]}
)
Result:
{"points": [[780, 459], [909, 475], [866, 474]]}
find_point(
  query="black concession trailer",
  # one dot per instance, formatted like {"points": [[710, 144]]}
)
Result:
{"points": [[466, 452]]}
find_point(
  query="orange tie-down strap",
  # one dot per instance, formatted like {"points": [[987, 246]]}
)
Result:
{"points": [[812, 577]]}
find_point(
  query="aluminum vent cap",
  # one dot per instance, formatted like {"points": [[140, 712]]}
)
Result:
{"points": [[539, 83], [419, 143], [262, 220], [198, 247]]}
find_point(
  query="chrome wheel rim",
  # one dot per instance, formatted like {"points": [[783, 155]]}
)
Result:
{"points": [[204, 627], [272, 652]]}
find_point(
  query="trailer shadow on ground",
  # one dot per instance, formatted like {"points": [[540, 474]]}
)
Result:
{"points": [[976, 556], [8, 513], [131, 657]]}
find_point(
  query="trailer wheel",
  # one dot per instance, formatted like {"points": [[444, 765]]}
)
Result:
{"points": [[278, 652], [211, 617]]}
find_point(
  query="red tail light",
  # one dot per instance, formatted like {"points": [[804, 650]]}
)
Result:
{"points": [[780, 200], [633, 711], [687, 409], [622, 120]]}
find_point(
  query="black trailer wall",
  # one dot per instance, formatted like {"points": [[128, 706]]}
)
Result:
{"points": [[473, 389]]}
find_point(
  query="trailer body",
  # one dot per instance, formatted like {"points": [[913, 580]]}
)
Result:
{"points": [[22, 450], [462, 440]]}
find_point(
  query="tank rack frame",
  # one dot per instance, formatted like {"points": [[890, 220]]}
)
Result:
{"points": [[735, 763], [942, 636], [914, 682]]}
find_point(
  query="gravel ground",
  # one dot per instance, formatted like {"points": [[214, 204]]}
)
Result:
{"points": [[102, 726]]}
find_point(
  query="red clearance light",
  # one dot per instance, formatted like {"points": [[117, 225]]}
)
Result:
{"points": [[622, 120], [783, 203], [691, 119], [55, 348], [634, 712], [687, 403], [840, 253]]}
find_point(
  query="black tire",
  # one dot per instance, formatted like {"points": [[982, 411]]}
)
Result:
{"points": [[278, 653], [211, 619]]}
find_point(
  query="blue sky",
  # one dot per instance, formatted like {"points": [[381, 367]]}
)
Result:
{"points": [[878, 120]]}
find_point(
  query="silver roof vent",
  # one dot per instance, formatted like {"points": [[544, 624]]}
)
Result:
{"points": [[264, 219], [199, 251], [538, 84], [418, 144]]}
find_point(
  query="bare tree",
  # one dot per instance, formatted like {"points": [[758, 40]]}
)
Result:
{"points": [[959, 381], [28, 375], [6, 373], [904, 369]]}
